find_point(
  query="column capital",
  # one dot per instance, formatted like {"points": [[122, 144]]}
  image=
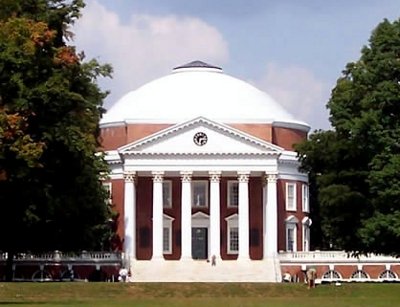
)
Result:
{"points": [[130, 176], [158, 176], [186, 176], [243, 176], [271, 178], [215, 176]]}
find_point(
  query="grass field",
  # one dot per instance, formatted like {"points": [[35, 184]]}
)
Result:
{"points": [[197, 294]]}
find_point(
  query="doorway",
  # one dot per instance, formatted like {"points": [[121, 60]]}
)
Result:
{"points": [[199, 243]]}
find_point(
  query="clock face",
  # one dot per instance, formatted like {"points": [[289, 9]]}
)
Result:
{"points": [[200, 138]]}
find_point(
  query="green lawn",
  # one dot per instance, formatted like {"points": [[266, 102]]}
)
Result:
{"points": [[197, 294]]}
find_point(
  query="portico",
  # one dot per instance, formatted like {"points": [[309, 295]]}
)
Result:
{"points": [[210, 218]]}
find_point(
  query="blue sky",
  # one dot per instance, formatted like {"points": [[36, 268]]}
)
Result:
{"points": [[293, 50]]}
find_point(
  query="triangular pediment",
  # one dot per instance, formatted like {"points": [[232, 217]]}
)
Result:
{"points": [[200, 216], [200, 136]]}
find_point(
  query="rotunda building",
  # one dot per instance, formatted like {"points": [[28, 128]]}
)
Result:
{"points": [[205, 178]]}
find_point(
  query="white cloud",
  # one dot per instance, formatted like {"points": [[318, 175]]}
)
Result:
{"points": [[146, 47], [299, 91]]}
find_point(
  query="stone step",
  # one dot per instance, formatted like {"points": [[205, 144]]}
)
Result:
{"points": [[203, 271]]}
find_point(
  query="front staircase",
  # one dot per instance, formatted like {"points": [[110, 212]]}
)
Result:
{"points": [[203, 271]]}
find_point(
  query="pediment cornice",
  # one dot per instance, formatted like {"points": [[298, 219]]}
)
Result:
{"points": [[253, 145]]}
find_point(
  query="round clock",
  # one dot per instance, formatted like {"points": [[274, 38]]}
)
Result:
{"points": [[200, 138]]}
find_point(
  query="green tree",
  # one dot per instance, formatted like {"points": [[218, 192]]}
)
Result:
{"points": [[50, 106], [356, 166]]}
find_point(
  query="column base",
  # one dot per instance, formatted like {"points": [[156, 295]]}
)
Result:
{"points": [[186, 258], [243, 258], [157, 258]]}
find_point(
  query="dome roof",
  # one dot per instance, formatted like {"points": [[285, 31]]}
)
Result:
{"points": [[198, 89]]}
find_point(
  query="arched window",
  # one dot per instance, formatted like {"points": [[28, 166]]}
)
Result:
{"points": [[291, 233], [306, 223], [359, 275], [331, 275], [387, 275], [42, 276]]}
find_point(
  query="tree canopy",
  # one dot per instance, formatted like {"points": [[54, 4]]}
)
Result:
{"points": [[51, 195], [356, 166]]}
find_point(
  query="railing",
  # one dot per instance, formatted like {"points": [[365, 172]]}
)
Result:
{"points": [[58, 256], [333, 256]]}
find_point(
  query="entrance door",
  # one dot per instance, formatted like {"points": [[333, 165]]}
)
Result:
{"points": [[199, 243]]}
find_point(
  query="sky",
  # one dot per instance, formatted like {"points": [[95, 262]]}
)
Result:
{"points": [[295, 50]]}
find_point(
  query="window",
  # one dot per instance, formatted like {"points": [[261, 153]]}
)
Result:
{"points": [[233, 194], [359, 274], [167, 234], [291, 234], [200, 193], [290, 239], [387, 274], [306, 206], [291, 196], [166, 240], [306, 238], [331, 275], [108, 188], [233, 240], [233, 234], [306, 223], [167, 194]]}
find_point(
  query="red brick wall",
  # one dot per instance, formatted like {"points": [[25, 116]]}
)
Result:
{"points": [[117, 197], [144, 230], [286, 137], [225, 212], [345, 270], [256, 218], [175, 212], [113, 137], [283, 214], [139, 131], [261, 131]]}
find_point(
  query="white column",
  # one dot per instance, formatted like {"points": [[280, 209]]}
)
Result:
{"points": [[215, 215], [244, 216], [271, 231], [264, 203], [157, 216], [186, 216], [130, 217]]}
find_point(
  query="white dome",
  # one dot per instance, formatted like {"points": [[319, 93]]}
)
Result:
{"points": [[198, 89]]}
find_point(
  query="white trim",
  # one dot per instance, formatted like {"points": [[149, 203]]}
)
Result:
{"points": [[287, 200], [305, 198], [230, 184], [200, 219]]}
